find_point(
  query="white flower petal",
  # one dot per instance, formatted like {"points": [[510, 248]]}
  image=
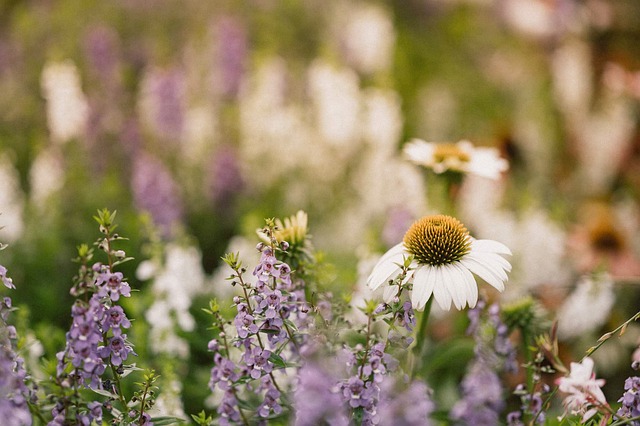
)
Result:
{"points": [[389, 293], [470, 285], [483, 272], [386, 266], [453, 283], [490, 246], [489, 263], [440, 291], [423, 283]]}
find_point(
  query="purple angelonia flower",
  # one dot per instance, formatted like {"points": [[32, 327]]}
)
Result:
{"points": [[228, 409], [111, 284], [7, 281], [116, 350], [114, 319], [630, 400], [224, 373]]}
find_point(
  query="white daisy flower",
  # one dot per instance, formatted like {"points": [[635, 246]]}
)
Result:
{"points": [[444, 256], [461, 157]]}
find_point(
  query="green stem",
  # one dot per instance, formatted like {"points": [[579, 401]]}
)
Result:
{"points": [[116, 379], [421, 338]]}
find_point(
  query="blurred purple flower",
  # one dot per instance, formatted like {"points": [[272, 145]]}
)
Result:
{"points": [[231, 54], [398, 221], [316, 399], [410, 407], [163, 100], [101, 47], [224, 178], [156, 192], [482, 399]]}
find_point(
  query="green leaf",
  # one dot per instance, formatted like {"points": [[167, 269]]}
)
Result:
{"points": [[167, 420]]}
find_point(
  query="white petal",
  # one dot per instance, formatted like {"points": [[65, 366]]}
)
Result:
{"points": [[490, 246], [386, 267], [483, 272], [504, 263], [422, 286], [440, 291], [389, 293], [470, 285], [486, 260], [452, 282]]}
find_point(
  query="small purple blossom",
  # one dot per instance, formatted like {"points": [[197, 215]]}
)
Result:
{"points": [[111, 284], [630, 401], [116, 350], [228, 409], [257, 361], [270, 402], [115, 319], [224, 373], [7, 281]]}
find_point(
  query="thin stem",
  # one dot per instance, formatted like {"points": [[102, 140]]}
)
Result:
{"points": [[366, 346], [421, 335], [606, 336], [142, 402], [116, 379]]}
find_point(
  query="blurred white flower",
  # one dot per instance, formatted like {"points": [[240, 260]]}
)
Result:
{"points": [[46, 177], [382, 120], [444, 258], [168, 402], [533, 236], [67, 108], [368, 37], [461, 157], [174, 286], [11, 202], [586, 308], [335, 94], [571, 71], [585, 395]]}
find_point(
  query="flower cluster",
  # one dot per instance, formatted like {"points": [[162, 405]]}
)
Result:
{"points": [[14, 393], [268, 316], [482, 390], [630, 400]]}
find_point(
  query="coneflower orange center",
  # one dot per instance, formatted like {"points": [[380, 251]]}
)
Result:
{"points": [[437, 240]]}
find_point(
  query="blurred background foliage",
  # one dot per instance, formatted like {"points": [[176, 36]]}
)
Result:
{"points": [[197, 119]]}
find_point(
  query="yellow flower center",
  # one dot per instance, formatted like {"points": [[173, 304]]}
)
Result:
{"points": [[448, 152], [437, 240]]}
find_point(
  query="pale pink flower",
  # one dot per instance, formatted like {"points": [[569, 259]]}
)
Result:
{"points": [[585, 396]]}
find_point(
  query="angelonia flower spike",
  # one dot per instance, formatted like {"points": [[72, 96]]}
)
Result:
{"points": [[443, 259]]}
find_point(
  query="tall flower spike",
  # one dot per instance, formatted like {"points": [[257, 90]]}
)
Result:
{"points": [[444, 256]]}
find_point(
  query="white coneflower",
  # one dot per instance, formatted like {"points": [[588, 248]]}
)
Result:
{"points": [[460, 157], [444, 256]]}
